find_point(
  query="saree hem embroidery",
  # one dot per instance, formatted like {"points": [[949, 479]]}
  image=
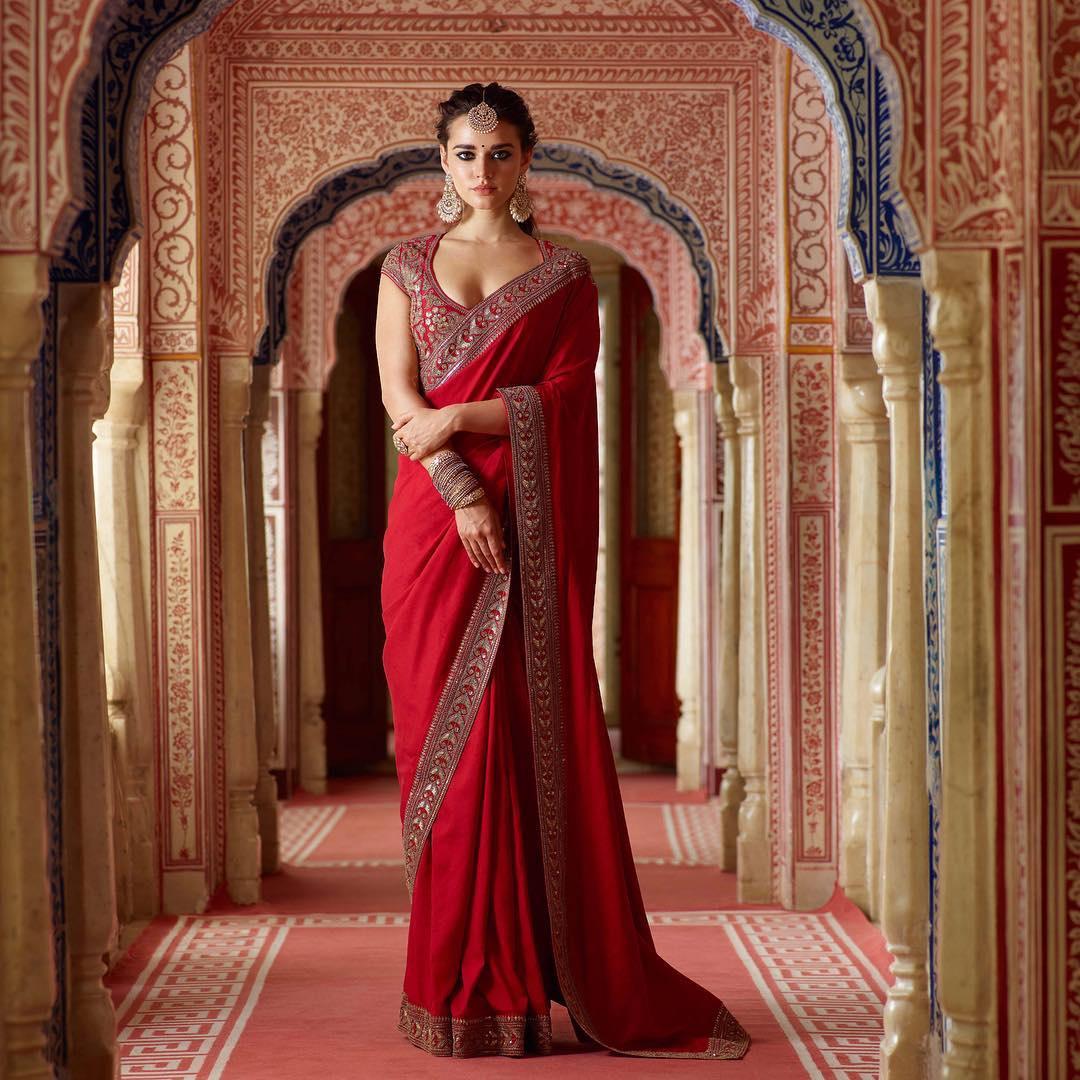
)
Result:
{"points": [[453, 1036]]}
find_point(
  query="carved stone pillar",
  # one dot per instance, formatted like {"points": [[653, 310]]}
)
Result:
{"points": [[120, 720], [242, 856], [731, 786], [84, 312], [688, 635], [126, 633], [754, 855], [894, 307], [958, 283], [266, 803], [866, 494], [878, 792], [26, 955], [312, 678]]}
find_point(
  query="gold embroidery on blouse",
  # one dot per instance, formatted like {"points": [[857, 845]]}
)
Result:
{"points": [[446, 334]]}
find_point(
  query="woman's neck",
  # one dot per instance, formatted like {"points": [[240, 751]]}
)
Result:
{"points": [[485, 227]]}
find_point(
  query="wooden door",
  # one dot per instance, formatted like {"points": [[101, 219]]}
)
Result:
{"points": [[352, 518], [649, 564]]}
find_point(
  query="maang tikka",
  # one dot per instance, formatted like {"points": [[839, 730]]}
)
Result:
{"points": [[483, 118]]}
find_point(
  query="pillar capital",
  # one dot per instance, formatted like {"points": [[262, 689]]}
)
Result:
{"points": [[955, 283], [894, 307], [235, 374], [259, 404], [309, 417], [746, 400], [24, 284], [683, 418], [862, 408], [725, 412]]}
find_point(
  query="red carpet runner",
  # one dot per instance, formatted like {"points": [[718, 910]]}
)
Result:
{"points": [[307, 982]]}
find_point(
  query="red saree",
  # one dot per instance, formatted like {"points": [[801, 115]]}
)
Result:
{"points": [[516, 851]]}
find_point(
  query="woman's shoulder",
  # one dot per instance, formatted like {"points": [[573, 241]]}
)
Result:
{"points": [[572, 259], [404, 260], [410, 245]]}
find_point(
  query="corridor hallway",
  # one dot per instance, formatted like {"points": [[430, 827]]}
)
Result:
{"points": [[307, 981]]}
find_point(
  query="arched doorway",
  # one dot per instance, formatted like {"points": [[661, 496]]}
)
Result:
{"points": [[353, 488]]}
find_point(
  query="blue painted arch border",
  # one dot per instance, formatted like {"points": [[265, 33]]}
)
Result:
{"points": [[835, 39]]}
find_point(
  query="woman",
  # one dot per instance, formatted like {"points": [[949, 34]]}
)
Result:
{"points": [[516, 852]]}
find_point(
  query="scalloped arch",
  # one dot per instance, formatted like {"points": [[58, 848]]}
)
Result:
{"points": [[135, 40], [321, 206], [838, 40]]}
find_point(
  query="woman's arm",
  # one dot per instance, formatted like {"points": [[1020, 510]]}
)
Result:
{"points": [[399, 372], [484, 417], [479, 525]]}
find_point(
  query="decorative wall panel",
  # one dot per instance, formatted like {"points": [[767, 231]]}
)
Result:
{"points": [[800, 523], [297, 135], [1061, 647], [170, 210]]}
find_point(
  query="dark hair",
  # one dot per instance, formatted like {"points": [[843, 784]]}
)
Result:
{"points": [[510, 106]]}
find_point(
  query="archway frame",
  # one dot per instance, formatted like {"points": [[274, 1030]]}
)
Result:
{"points": [[333, 195]]}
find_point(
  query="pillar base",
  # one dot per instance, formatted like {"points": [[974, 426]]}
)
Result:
{"points": [[754, 871], [731, 797]]}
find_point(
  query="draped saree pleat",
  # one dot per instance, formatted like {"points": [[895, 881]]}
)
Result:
{"points": [[516, 851]]}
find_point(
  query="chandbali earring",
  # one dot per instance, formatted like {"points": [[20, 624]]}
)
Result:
{"points": [[521, 206], [449, 207]]}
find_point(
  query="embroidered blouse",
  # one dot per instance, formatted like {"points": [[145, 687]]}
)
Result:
{"points": [[447, 333]]}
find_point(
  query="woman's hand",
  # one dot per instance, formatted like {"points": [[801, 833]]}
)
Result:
{"points": [[481, 531], [424, 430]]}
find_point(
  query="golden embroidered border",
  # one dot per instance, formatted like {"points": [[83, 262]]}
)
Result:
{"points": [[452, 1036], [454, 714], [540, 602], [481, 326]]}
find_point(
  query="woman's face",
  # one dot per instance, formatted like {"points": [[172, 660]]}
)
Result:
{"points": [[485, 167]]}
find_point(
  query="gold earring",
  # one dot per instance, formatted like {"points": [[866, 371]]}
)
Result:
{"points": [[521, 206], [449, 207]]}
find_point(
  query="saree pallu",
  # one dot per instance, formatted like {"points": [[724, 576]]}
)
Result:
{"points": [[516, 850]]}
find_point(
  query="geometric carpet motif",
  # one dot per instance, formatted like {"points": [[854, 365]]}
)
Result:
{"points": [[197, 998], [329, 836], [307, 981]]}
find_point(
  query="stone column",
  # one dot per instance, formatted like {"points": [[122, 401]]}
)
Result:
{"points": [[266, 802], [866, 494], [126, 633], [688, 637], [894, 307], [958, 283], [731, 785], [84, 314], [754, 855], [26, 954], [118, 704], [878, 792], [309, 404], [242, 856]]}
